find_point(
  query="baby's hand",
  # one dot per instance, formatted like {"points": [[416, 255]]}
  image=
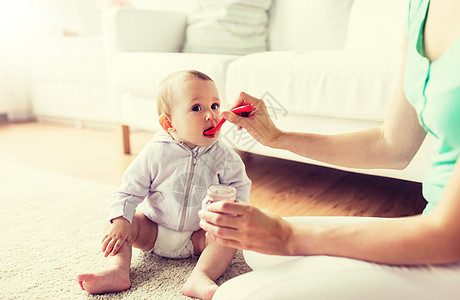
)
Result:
{"points": [[118, 232]]}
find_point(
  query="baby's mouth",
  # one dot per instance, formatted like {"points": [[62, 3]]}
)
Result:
{"points": [[208, 135]]}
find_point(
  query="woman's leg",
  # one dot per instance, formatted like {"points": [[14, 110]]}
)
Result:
{"points": [[326, 277]]}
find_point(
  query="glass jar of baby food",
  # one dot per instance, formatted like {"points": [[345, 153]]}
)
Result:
{"points": [[219, 192]]}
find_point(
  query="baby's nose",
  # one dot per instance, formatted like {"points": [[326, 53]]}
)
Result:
{"points": [[211, 115]]}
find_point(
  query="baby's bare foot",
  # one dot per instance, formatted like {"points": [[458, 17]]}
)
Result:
{"points": [[115, 280], [199, 285]]}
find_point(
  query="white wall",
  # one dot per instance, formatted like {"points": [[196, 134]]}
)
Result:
{"points": [[80, 16], [2, 83], [52, 16], [23, 25]]}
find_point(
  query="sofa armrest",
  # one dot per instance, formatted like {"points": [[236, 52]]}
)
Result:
{"points": [[135, 30]]}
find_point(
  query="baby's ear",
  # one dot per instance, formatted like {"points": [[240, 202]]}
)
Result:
{"points": [[165, 122]]}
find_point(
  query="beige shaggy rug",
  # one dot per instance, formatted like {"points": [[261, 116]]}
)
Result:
{"points": [[51, 230]]}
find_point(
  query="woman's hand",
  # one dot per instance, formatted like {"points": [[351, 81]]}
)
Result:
{"points": [[243, 226], [258, 123], [118, 232]]}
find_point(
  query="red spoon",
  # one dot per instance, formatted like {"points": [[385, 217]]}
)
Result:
{"points": [[240, 110]]}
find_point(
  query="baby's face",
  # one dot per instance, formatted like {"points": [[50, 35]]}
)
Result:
{"points": [[195, 109]]}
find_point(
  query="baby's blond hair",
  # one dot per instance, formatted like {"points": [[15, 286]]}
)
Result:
{"points": [[169, 85]]}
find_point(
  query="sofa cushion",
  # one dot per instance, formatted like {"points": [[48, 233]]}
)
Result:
{"points": [[142, 72], [339, 83], [162, 5], [308, 25], [228, 27]]}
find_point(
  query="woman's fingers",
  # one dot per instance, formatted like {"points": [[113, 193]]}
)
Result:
{"points": [[218, 231], [243, 226], [221, 235], [243, 99], [258, 124], [228, 217], [225, 242], [232, 208], [217, 218], [227, 214]]}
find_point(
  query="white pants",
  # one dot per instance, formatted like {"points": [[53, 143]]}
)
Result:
{"points": [[338, 278]]}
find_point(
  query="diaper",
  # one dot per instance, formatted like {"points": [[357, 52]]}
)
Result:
{"points": [[173, 244]]}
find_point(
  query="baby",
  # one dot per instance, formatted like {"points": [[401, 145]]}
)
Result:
{"points": [[169, 179]]}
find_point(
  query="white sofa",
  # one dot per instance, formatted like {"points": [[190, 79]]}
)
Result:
{"points": [[330, 67]]}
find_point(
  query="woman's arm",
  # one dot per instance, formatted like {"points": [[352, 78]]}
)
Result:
{"points": [[393, 145], [422, 239]]}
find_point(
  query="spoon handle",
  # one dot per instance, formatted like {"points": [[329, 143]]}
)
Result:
{"points": [[240, 110]]}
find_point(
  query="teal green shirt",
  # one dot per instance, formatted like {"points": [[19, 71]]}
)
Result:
{"points": [[433, 89]]}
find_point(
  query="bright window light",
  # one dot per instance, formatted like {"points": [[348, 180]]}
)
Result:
{"points": [[17, 17], [17, 10]]}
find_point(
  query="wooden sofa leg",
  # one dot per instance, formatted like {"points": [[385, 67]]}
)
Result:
{"points": [[126, 141]]}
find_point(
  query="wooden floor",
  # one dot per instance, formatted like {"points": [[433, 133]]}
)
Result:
{"points": [[285, 187]]}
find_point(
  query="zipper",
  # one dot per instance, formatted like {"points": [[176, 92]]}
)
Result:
{"points": [[187, 188]]}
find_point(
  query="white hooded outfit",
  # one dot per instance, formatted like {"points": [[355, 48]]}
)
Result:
{"points": [[169, 181]]}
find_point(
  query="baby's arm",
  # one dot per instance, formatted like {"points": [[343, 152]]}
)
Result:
{"points": [[118, 232], [135, 186]]}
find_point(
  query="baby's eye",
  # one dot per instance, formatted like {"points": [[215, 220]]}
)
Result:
{"points": [[196, 107], [215, 106]]}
